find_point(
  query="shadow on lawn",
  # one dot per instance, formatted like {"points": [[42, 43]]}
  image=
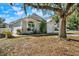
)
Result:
{"points": [[12, 37], [75, 40], [40, 35]]}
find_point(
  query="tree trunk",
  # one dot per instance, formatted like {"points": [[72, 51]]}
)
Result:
{"points": [[62, 28]]}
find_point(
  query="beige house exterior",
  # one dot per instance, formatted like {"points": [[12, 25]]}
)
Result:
{"points": [[31, 25], [26, 25]]}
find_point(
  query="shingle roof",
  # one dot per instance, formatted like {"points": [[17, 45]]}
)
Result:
{"points": [[33, 16], [36, 17]]}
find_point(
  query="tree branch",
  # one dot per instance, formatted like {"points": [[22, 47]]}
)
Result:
{"points": [[78, 7], [69, 5], [24, 8], [69, 13], [58, 4], [43, 7]]}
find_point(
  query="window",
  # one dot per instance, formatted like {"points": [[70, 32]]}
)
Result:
{"points": [[30, 26]]}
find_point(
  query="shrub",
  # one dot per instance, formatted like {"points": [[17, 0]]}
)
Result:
{"points": [[19, 31], [43, 27], [7, 33]]}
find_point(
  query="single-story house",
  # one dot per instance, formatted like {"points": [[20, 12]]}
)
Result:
{"points": [[31, 24]]}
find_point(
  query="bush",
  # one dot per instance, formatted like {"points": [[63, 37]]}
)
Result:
{"points": [[7, 33], [19, 31], [43, 27]]}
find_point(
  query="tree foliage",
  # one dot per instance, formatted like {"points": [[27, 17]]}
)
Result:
{"points": [[73, 21], [2, 23], [56, 18]]}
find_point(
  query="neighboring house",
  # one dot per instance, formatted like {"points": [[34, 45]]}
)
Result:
{"points": [[31, 24]]}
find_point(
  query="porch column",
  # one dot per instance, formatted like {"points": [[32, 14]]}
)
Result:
{"points": [[21, 25], [27, 25]]}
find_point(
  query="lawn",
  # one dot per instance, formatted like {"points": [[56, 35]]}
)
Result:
{"points": [[35, 45], [73, 32]]}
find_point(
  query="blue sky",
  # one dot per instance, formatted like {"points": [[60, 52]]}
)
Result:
{"points": [[13, 13]]}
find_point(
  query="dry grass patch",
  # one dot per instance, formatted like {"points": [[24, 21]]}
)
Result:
{"points": [[41, 45]]}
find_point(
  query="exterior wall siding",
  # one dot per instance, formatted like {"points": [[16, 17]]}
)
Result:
{"points": [[50, 27]]}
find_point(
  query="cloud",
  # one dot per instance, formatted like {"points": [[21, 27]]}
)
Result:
{"points": [[38, 12], [2, 15], [8, 15], [16, 8], [34, 10], [5, 16], [1, 7], [9, 19], [19, 13], [6, 12]]}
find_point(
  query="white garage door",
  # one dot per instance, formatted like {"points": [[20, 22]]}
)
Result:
{"points": [[50, 28]]}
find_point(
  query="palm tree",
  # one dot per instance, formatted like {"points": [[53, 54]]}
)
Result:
{"points": [[61, 9]]}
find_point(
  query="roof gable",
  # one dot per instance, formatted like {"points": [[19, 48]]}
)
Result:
{"points": [[29, 18], [50, 20], [36, 17]]}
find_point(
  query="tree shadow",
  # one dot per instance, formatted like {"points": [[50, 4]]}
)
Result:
{"points": [[75, 40], [40, 35]]}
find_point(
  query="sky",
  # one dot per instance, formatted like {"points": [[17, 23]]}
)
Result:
{"points": [[12, 13]]}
